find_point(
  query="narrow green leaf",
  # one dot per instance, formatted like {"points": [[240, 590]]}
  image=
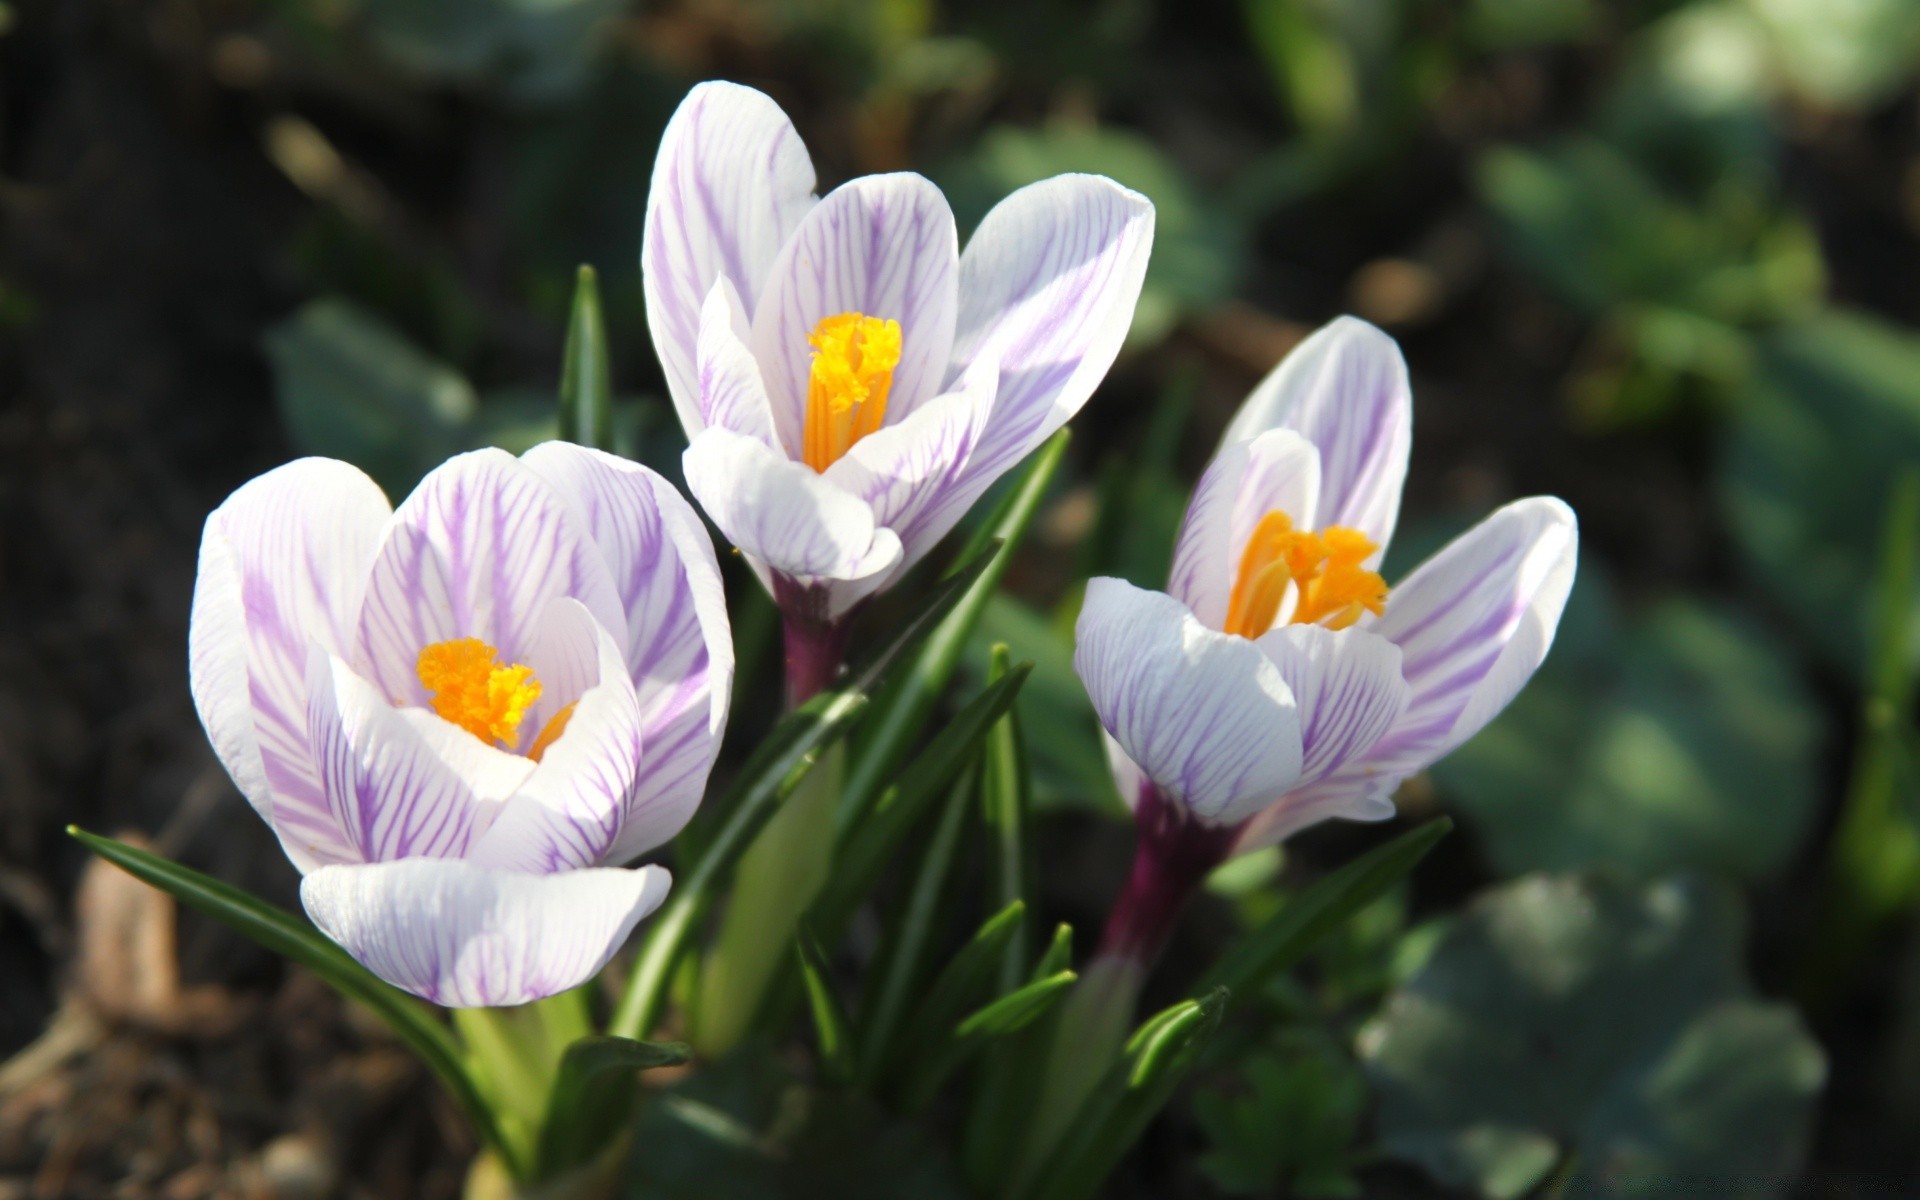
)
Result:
{"points": [[905, 952], [829, 1017], [289, 936], [904, 704], [586, 374], [1303, 920], [594, 1096], [769, 776], [1018, 1008], [868, 848], [1006, 810], [1009, 1082], [1158, 1057], [948, 590], [936, 1060], [1059, 952]]}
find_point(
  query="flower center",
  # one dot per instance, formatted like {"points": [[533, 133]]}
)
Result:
{"points": [[471, 689], [1334, 589], [853, 360]]}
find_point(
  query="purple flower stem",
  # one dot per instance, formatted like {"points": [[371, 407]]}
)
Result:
{"points": [[1173, 855]]}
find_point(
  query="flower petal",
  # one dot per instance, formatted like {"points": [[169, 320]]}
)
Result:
{"points": [[1246, 480], [907, 472], [469, 937], [883, 246], [732, 394], [1206, 715], [781, 512], [1349, 797], [1348, 689], [568, 811], [1345, 390], [679, 645], [479, 550], [1048, 283], [283, 564], [731, 184], [1474, 621], [402, 783]]}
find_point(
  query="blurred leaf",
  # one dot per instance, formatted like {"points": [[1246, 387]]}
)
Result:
{"points": [[287, 935], [1289, 1126], [1501, 25], [594, 1097], [1006, 815], [1843, 55], [830, 1023], [1304, 919], [1832, 416], [586, 374], [1196, 250], [1686, 740], [1606, 1029], [529, 50]]}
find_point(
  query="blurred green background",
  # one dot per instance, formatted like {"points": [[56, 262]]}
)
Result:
{"points": [[1660, 259]]}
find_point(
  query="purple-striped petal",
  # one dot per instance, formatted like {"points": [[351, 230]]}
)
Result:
{"points": [[1048, 283], [679, 645], [907, 472], [472, 937], [401, 782], [732, 393], [1204, 714], [883, 246], [1351, 796], [731, 184], [283, 564], [1246, 480], [1345, 390], [569, 810], [478, 551], [1473, 622], [1347, 687], [784, 515]]}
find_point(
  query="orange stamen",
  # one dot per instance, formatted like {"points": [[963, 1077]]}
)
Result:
{"points": [[1331, 586], [854, 356]]}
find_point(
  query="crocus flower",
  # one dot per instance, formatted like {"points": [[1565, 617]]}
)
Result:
{"points": [[1279, 681], [460, 716], [850, 382]]}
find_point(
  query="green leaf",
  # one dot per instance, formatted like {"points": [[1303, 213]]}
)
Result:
{"points": [[904, 704], [1006, 812], [289, 936], [1686, 740], [1306, 918], [1017, 1009], [769, 776], [1009, 1080], [586, 373], [1582, 1021], [952, 587], [830, 1025], [1290, 1124], [1808, 462], [1159, 1055], [936, 1058], [594, 1097], [532, 52], [963, 983]]}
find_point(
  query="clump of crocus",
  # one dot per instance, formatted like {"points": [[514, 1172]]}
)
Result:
{"points": [[1279, 681], [461, 716], [850, 382]]}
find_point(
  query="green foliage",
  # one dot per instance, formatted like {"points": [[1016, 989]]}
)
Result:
{"points": [[1682, 739], [1807, 464], [1601, 1029], [586, 375], [594, 1098], [1291, 1127]]}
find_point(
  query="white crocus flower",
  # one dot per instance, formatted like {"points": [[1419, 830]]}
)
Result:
{"points": [[849, 381], [461, 716]]}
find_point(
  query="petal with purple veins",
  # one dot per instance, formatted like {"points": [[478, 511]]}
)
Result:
{"points": [[1347, 686], [1279, 470], [732, 393]]}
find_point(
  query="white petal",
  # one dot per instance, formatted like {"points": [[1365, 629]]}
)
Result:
{"points": [[569, 810], [731, 391], [731, 184], [1345, 390], [1349, 799], [283, 564], [1473, 622], [472, 937], [679, 645], [883, 246], [1347, 686], [478, 551], [402, 783], [1048, 283], [907, 472], [1279, 470], [779, 511], [1206, 715]]}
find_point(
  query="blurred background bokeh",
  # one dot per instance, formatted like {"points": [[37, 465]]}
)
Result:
{"points": [[1659, 258]]}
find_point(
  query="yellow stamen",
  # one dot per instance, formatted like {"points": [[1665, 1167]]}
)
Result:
{"points": [[853, 360], [1333, 589], [470, 688], [551, 734]]}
